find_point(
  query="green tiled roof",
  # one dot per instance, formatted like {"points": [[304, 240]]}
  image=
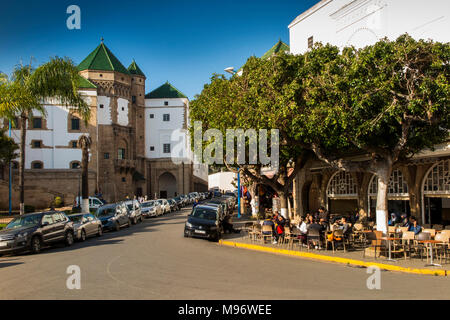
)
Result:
{"points": [[134, 69], [102, 59], [84, 83], [280, 46], [165, 91]]}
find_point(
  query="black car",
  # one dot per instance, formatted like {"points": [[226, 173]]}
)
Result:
{"points": [[204, 222], [34, 230], [223, 203], [113, 216]]}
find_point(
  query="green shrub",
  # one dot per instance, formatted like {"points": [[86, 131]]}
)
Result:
{"points": [[2, 226], [58, 202]]}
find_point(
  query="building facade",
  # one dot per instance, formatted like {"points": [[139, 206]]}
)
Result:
{"points": [[421, 188], [120, 162]]}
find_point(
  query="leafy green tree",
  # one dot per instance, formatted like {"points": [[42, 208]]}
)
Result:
{"points": [[26, 92], [265, 96], [389, 100], [8, 148]]}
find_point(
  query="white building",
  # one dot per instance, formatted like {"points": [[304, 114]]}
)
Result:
{"points": [[363, 22], [167, 143], [222, 180]]}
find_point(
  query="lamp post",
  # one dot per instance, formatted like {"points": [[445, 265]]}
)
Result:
{"points": [[239, 193], [79, 186]]}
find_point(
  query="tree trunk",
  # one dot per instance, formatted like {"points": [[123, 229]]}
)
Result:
{"points": [[383, 173], [283, 204], [84, 178], [23, 135]]}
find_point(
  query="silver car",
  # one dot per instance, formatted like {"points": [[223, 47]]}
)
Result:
{"points": [[164, 205], [134, 211], [86, 225], [151, 209]]}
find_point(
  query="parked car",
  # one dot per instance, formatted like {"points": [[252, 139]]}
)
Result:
{"points": [[223, 203], [150, 209], [173, 205], [179, 201], [94, 203], [204, 222], [164, 205], [113, 216], [34, 230], [134, 211], [86, 225]]}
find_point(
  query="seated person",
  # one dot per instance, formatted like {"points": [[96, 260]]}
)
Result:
{"points": [[318, 227], [269, 222], [344, 226], [279, 227], [228, 226], [303, 228], [414, 226]]}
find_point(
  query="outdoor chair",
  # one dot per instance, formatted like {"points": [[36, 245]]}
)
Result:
{"points": [[269, 235], [313, 236], [438, 227], [407, 242], [247, 228], [375, 242], [289, 237], [432, 232], [255, 232], [420, 247], [442, 248], [337, 238]]}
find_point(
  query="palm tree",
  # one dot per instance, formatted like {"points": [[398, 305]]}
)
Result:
{"points": [[84, 142], [28, 89]]}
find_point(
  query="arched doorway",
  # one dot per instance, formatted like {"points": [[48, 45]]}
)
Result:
{"points": [[167, 185], [436, 194], [398, 196], [342, 193]]}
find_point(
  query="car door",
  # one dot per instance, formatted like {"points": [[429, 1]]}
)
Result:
{"points": [[59, 226], [87, 224], [47, 227], [93, 224]]}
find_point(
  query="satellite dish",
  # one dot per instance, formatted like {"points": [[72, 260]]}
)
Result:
{"points": [[230, 70]]}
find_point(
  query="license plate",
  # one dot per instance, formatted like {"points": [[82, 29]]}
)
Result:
{"points": [[200, 231], [3, 244]]}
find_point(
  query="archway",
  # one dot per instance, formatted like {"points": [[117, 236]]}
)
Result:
{"points": [[342, 193], [436, 194], [167, 185], [398, 196]]}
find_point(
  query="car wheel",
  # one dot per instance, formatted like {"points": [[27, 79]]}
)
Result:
{"points": [[117, 226], [36, 244], [83, 235], [99, 232], [134, 220], [69, 238], [129, 223]]}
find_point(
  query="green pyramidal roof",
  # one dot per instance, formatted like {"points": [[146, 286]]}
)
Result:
{"points": [[134, 69], [165, 91], [84, 83], [280, 46], [102, 59]]}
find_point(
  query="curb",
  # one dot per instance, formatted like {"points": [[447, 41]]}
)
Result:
{"points": [[319, 257]]}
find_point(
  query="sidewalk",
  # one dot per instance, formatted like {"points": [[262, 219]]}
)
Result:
{"points": [[353, 258]]}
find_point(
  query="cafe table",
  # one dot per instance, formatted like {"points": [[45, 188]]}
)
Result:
{"points": [[429, 243], [389, 239]]}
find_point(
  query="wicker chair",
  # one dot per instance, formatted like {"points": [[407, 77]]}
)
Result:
{"points": [[269, 235]]}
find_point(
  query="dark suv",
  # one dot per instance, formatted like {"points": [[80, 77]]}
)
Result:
{"points": [[34, 230], [113, 216], [204, 222]]}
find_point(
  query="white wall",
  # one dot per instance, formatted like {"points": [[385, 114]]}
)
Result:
{"points": [[222, 180], [159, 132], [122, 111], [363, 22], [104, 114]]}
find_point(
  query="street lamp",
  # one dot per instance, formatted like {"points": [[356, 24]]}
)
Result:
{"points": [[78, 166], [230, 70], [10, 177], [239, 193]]}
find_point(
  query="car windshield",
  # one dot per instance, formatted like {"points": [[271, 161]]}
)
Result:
{"points": [[105, 212], [147, 204], [160, 201], [204, 213], [28, 221], [76, 219]]}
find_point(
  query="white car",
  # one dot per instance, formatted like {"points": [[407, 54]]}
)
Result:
{"points": [[151, 208], [164, 205], [134, 211]]}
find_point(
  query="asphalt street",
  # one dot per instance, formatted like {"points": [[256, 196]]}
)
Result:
{"points": [[153, 260]]}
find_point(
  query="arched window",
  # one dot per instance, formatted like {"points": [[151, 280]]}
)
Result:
{"points": [[37, 165], [397, 185], [342, 185], [437, 181]]}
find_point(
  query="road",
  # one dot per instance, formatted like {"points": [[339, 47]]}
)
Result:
{"points": [[153, 260]]}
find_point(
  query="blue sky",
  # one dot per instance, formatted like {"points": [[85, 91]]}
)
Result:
{"points": [[181, 41]]}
